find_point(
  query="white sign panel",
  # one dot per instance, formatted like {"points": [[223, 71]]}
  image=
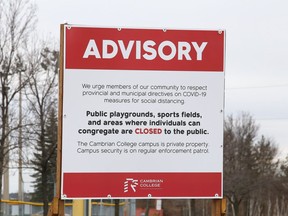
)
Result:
{"points": [[142, 113]]}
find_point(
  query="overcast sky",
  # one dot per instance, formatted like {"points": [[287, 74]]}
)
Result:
{"points": [[256, 44]]}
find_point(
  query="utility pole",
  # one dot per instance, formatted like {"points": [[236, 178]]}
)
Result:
{"points": [[6, 181], [20, 162], [6, 156]]}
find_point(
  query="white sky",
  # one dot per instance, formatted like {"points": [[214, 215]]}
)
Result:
{"points": [[256, 45]]}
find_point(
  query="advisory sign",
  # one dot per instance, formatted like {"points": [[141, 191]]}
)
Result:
{"points": [[142, 113]]}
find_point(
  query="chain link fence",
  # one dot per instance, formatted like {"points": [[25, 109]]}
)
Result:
{"points": [[19, 208]]}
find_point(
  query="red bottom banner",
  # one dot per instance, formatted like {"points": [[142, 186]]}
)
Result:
{"points": [[141, 185]]}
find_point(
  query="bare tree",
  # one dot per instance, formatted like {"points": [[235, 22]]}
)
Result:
{"points": [[17, 19], [239, 136], [42, 95], [282, 198], [262, 201]]}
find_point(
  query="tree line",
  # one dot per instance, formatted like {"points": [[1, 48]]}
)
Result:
{"points": [[255, 181]]}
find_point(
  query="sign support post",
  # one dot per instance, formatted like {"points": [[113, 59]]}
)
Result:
{"points": [[57, 207], [219, 207]]}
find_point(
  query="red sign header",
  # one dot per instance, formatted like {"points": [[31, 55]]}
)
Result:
{"points": [[144, 49], [141, 184]]}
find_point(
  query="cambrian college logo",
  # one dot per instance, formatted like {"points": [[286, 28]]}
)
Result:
{"points": [[130, 183]]}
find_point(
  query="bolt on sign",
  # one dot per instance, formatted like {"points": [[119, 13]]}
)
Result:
{"points": [[142, 113]]}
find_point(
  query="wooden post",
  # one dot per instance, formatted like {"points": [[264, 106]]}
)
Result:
{"points": [[219, 207], [78, 207], [57, 207], [224, 206]]}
